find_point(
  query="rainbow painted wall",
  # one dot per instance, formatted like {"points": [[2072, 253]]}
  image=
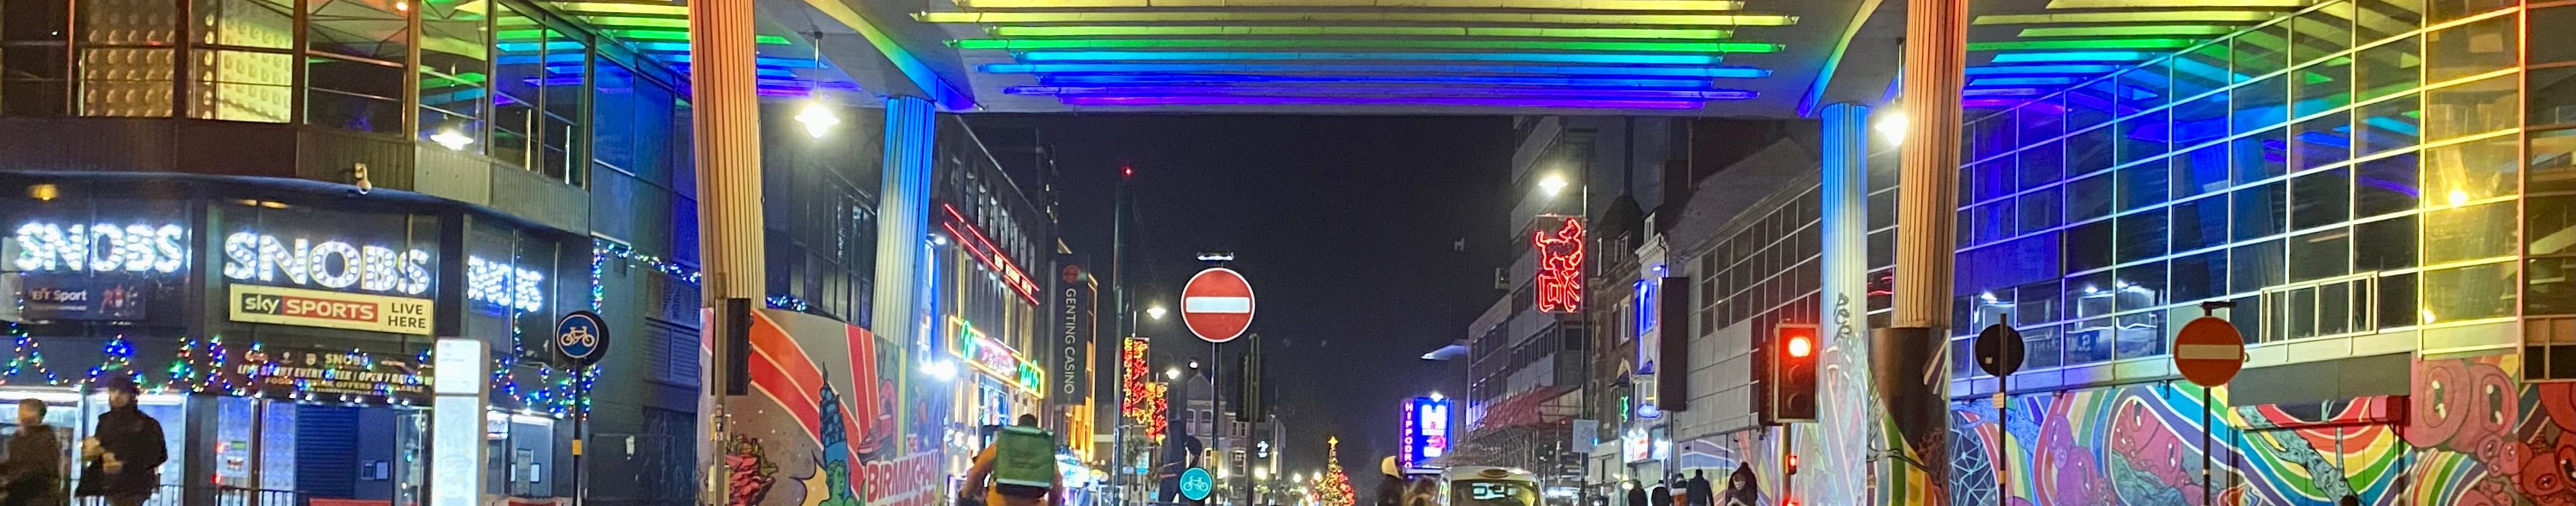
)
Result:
{"points": [[2468, 435]]}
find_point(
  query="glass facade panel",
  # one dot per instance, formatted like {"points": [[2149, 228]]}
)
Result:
{"points": [[2478, 107], [2469, 172], [2469, 293], [2389, 68], [2472, 48], [455, 69]]}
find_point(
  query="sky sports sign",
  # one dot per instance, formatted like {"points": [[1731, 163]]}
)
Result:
{"points": [[316, 308]]}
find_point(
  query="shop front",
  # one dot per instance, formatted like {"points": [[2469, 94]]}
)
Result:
{"points": [[996, 385], [282, 337]]}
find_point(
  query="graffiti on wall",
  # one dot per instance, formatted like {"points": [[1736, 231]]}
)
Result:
{"points": [[2466, 435], [830, 420]]}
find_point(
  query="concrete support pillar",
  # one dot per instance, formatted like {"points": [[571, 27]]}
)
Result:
{"points": [[1835, 456], [726, 121], [1911, 358]]}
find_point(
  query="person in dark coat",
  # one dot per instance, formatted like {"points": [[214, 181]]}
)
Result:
{"points": [[1636, 495], [1662, 496], [122, 459], [34, 472], [1698, 489]]}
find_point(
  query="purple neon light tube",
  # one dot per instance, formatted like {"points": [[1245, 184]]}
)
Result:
{"points": [[1151, 100], [1431, 92]]}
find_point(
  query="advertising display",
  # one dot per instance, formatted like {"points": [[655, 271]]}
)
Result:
{"points": [[81, 298], [1076, 313], [833, 419], [333, 376], [1560, 264], [1426, 430], [316, 308]]}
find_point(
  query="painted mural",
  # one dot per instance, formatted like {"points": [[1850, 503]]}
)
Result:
{"points": [[2467, 436], [831, 420]]}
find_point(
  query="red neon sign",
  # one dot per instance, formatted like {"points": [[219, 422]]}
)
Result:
{"points": [[983, 250], [1560, 267]]}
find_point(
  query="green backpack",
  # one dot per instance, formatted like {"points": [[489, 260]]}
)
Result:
{"points": [[1023, 461]]}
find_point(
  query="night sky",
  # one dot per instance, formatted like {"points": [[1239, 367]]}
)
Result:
{"points": [[1348, 229]]}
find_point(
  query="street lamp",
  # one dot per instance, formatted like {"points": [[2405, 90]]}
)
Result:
{"points": [[1155, 312], [1891, 124], [1172, 373], [1552, 184], [817, 119]]}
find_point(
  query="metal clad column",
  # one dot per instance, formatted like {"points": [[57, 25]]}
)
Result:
{"points": [[1910, 358], [726, 120], [1835, 456], [903, 211]]}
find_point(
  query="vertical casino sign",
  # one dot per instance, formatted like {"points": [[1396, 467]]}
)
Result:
{"points": [[1076, 314]]}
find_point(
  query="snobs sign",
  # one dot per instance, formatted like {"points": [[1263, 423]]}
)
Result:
{"points": [[329, 264], [101, 247]]}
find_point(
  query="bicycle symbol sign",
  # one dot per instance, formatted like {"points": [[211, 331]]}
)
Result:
{"points": [[581, 337]]}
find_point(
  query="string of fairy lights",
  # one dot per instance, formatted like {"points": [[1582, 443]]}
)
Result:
{"points": [[202, 365]]}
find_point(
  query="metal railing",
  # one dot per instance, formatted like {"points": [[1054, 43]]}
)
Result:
{"points": [[177, 495]]}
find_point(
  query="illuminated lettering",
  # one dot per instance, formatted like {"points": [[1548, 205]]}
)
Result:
{"points": [[1560, 267], [101, 247], [253, 256], [504, 285]]}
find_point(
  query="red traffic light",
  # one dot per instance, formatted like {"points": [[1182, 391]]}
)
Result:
{"points": [[1801, 346]]}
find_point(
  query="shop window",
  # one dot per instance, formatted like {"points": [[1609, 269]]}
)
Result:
{"points": [[2199, 277], [2320, 198], [2321, 32], [2199, 223], [2553, 96], [2388, 68], [2461, 174], [2388, 125], [2470, 292], [2550, 346], [354, 67], [455, 67], [2553, 161], [2473, 108], [2387, 244], [2471, 49], [2254, 267], [2321, 141], [2142, 185], [2470, 232], [2385, 185]]}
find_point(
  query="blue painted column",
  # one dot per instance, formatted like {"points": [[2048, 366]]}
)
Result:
{"points": [[903, 310], [1834, 457]]}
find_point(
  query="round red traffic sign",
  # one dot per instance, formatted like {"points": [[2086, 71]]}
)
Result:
{"points": [[2208, 351], [1217, 304]]}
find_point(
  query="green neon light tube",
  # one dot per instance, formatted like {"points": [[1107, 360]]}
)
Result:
{"points": [[2074, 56], [1256, 68], [623, 8], [2125, 17], [2126, 31], [1249, 16], [1122, 56], [1424, 31], [2168, 4], [2029, 45], [1673, 47]]}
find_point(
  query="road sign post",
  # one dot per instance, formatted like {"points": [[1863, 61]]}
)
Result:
{"points": [[1999, 351], [1217, 305], [2208, 352], [581, 339], [1196, 484]]}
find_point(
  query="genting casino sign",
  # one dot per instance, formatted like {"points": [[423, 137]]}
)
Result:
{"points": [[1560, 267]]}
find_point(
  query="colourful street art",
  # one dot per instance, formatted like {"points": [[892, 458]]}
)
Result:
{"points": [[2467, 435], [831, 421]]}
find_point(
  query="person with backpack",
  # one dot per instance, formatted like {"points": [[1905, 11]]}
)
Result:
{"points": [[1020, 464]]}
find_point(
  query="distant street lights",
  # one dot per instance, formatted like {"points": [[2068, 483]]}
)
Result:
{"points": [[1553, 184], [1156, 312]]}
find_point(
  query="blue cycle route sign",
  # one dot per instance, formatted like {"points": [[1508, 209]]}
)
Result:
{"points": [[581, 338], [1196, 484]]}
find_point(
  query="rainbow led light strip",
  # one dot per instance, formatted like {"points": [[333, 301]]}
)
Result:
{"points": [[1057, 68], [1383, 92], [1409, 31], [1210, 79], [1140, 56], [2074, 41]]}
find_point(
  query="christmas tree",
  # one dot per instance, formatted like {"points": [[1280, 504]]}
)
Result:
{"points": [[1336, 487]]}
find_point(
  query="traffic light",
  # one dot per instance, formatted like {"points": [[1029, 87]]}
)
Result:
{"points": [[1791, 467], [1793, 373]]}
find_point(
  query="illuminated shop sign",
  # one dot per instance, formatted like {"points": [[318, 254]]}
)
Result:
{"points": [[504, 285], [1426, 430], [1560, 267], [316, 308], [996, 359], [331, 264], [974, 242], [334, 375], [102, 247]]}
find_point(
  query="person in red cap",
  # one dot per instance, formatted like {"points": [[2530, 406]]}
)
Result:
{"points": [[122, 459]]}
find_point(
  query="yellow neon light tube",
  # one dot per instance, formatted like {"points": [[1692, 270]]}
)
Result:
{"points": [[2127, 17], [1424, 31], [1638, 5]]}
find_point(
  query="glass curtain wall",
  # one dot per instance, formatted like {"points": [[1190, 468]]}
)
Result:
{"points": [[2355, 168]]}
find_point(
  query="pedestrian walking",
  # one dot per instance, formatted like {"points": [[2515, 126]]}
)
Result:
{"points": [[33, 474], [1018, 469], [1698, 489], [122, 460]]}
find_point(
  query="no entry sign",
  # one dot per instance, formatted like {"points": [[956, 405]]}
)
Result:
{"points": [[1217, 304], [2208, 351]]}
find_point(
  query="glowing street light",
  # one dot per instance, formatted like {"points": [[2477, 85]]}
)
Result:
{"points": [[1891, 125], [1552, 184], [1156, 312], [451, 139], [817, 120], [1172, 373]]}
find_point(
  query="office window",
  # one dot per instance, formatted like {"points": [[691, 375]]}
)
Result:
{"points": [[354, 66], [455, 61]]}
